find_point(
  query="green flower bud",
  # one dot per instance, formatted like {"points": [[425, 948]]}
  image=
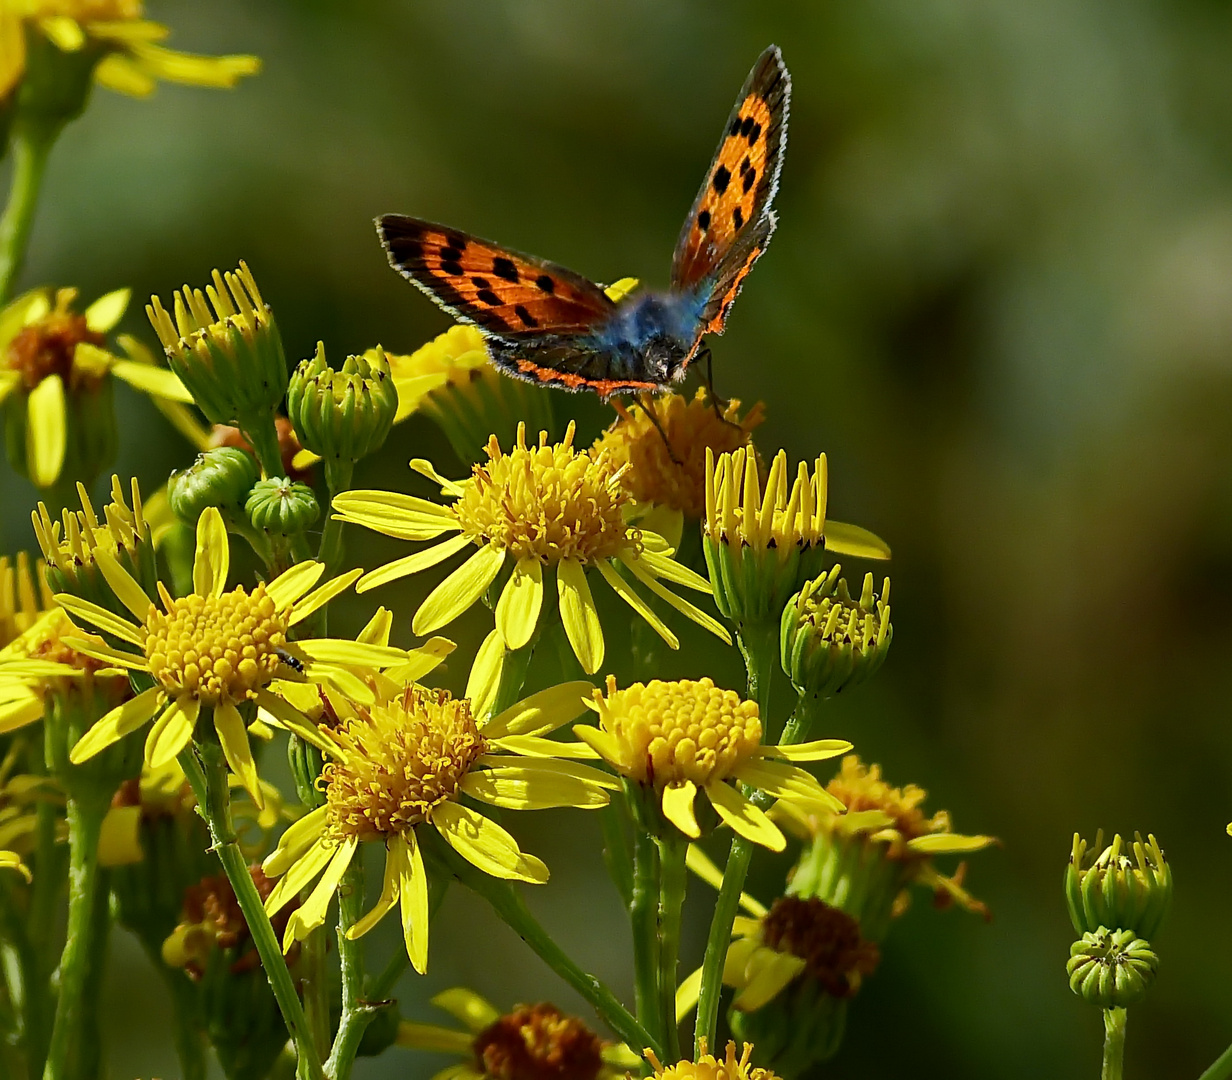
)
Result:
{"points": [[219, 477], [1111, 889], [343, 415], [1111, 968], [230, 359], [830, 641], [281, 506]]}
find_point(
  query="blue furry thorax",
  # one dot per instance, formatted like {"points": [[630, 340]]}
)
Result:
{"points": [[649, 316]]}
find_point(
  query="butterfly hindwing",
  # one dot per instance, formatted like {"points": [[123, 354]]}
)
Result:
{"points": [[731, 221], [506, 294]]}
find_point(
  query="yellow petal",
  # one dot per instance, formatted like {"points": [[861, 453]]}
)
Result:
{"points": [[818, 750], [290, 585], [682, 605], [212, 560], [318, 598], [10, 860], [527, 788], [701, 864], [105, 620], [107, 310], [687, 994], [423, 659], [395, 852], [100, 650], [440, 1040], [192, 69], [19, 712], [117, 72], [295, 722], [9, 381], [237, 751], [124, 585], [784, 782], [485, 844], [603, 743], [670, 570], [158, 382], [536, 746], [425, 468], [378, 628], [413, 897], [313, 860], [339, 651], [467, 1008], [772, 971], [296, 840], [311, 913], [484, 678], [517, 611], [116, 724], [744, 817], [119, 841], [950, 843], [412, 564], [63, 31], [625, 591], [46, 432], [678, 807], [579, 615], [171, 732], [844, 539], [459, 590], [542, 712]]}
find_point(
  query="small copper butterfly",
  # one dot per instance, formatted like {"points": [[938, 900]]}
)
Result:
{"points": [[549, 325]]}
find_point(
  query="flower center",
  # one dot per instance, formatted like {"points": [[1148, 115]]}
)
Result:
{"points": [[551, 502], [861, 787], [682, 730], [708, 1067], [538, 1042], [675, 477], [46, 348], [827, 939], [216, 648], [400, 760]]}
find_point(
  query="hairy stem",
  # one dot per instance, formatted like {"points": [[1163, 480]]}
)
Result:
{"points": [[1114, 1044], [673, 880], [337, 480], [30, 150], [356, 1012], [644, 921]]}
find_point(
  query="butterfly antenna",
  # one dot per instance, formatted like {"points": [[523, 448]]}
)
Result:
{"points": [[719, 404], [646, 402]]}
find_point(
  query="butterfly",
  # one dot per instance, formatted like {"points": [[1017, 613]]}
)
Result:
{"points": [[550, 325]]}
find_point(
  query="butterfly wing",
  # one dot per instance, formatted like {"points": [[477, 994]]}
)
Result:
{"points": [[731, 221], [507, 295]]}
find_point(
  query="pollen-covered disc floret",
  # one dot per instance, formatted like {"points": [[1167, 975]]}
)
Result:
{"points": [[826, 939], [682, 730], [708, 1067], [216, 648], [400, 760], [667, 463], [538, 1042], [552, 502]]}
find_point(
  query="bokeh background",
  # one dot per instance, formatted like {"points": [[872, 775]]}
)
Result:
{"points": [[1000, 299]]}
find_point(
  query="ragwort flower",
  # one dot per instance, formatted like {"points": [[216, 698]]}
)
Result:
{"points": [[131, 63], [406, 762], [678, 737], [708, 1067], [214, 649], [54, 377], [530, 1042], [537, 506]]}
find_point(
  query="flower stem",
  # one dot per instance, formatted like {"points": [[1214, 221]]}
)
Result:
{"points": [[673, 879], [759, 646], [1114, 1043], [644, 921], [356, 1012], [206, 769], [67, 1033], [1221, 1069], [337, 480], [21, 980], [262, 436], [513, 676], [508, 904], [30, 150]]}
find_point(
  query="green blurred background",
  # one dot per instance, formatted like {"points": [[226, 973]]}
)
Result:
{"points": [[1000, 299]]}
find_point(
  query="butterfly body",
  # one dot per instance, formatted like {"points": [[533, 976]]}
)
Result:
{"points": [[550, 325]]}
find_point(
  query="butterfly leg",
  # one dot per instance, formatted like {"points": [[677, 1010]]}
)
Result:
{"points": [[717, 403], [648, 409]]}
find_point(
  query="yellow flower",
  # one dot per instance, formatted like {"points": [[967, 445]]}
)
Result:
{"points": [[19, 798], [406, 762], [708, 1067], [531, 1042], [880, 828], [213, 649], [132, 63], [10, 860], [672, 474], [24, 595], [537, 506], [56, 361], [678, 737]]}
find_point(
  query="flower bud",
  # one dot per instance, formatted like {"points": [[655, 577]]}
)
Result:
{"points": [[221, 477], [343, 415], [1111, 968], [1110, 889], [231, 358], [830, 641], [281, 506]]}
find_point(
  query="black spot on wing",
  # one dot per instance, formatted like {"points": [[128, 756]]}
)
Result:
{"points": [[545, 284], [488, 297], [527, 318], [452, 268], [451, 254], [738, 217], [456, 241], [735, 127], [504, 268], [703, 220], [750, 178], [721, 179], [480, 282], [754, 132]]}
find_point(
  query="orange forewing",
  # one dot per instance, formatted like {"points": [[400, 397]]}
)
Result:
{"points": [[502, 291]]}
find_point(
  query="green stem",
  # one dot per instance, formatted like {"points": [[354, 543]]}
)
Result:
{"points": [[644, 921], [209, 774], [67, 1034], [262, 436], [30, 150], [1114, 1043], [313, 972], [1221, 1069], [759, 646], [673, 880], [356, 1012], [90, 1035], [337, 480], [189, 1037], [508, 904], [616, 831], [25, 991], [513, 676]]}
